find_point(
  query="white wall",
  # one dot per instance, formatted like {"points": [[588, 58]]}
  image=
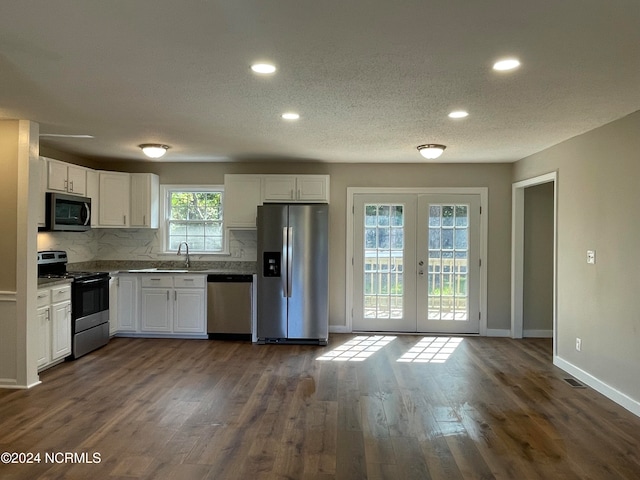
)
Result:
{"points": [[598, 205]]}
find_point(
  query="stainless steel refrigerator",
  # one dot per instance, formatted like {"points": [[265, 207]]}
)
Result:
{"points": [[293, 273]]}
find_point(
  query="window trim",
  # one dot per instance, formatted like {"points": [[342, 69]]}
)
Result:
{"points": [[163, 231]]}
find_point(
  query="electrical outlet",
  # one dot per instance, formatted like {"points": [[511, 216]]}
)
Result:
{"points": [[578, 344], [591, 257]]}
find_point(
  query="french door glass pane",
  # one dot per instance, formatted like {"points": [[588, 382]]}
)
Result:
{"points": [[448, 262], [384, 227]]}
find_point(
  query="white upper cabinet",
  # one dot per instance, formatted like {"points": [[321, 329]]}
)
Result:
{"points": [[279, 188], [93, 192], [64, 177], [114, 207], [312, 188], [242, 195], [42, 199], [296, 188], [145, 200]]}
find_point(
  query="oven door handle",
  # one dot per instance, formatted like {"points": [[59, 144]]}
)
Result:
{"points": [[85, 282]]}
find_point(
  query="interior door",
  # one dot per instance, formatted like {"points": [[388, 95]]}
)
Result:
{"points": [[448, 254]]}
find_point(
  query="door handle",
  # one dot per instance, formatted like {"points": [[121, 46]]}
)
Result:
{"points": [[283, 262], [290, 263]]}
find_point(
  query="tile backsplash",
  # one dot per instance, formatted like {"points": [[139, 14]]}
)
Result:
{"points": [[135, 244]]}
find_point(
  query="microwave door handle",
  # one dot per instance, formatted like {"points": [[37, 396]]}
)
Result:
{"points": [[88, 220]]}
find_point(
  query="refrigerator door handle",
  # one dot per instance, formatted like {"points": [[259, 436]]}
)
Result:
{"points": [[284, 262], [290, 263]]}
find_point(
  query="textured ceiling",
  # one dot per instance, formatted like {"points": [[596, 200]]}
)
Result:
{"points": [[371, 79]]}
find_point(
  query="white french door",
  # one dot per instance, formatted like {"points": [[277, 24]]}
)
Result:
{"points": [[416, 263]]}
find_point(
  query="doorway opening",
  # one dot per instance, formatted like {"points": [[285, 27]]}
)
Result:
{"points": [[529, 227]]}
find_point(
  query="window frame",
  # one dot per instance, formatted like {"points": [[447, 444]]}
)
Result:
{"points": [[165, 191]]}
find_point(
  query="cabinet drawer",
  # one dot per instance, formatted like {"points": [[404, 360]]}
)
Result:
{"points": [[157, 281], [60, 294], [189, 281], [43, 298]]}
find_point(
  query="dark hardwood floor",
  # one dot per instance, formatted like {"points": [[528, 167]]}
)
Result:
{"points": [[195, 409]]}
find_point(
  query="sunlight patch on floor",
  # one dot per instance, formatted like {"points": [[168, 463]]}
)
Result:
{"points": [[357, 349], [431, 350]]}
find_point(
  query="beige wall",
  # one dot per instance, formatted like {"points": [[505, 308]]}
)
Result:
{"points": [[497, 177], [537, 312], [9, 201], [598, 205]]}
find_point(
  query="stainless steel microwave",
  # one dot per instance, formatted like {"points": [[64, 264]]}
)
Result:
{"points": [[68, 213]]}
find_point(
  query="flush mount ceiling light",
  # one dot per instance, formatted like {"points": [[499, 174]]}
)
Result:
{"points": [[154, 150], [506, 64], [458, 114], [431, 151], [291, 116], [263, 68]]}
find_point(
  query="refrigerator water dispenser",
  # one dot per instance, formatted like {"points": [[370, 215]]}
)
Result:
{"points": [[272, 264]]}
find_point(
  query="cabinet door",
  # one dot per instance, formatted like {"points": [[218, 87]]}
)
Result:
{"points": [[313, 188], [56, 176], [93, 192], [77, 180], [44, 336], [113, 305], [242, 195], [60, 330], [189, 311], [145, 199], [156, 310], [279, 188], [127, 308], [42, 193], [114, 199]]}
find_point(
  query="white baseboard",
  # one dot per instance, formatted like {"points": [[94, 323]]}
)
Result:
{"points": [[10, 383], [498, 332], [608, 391], [339, 329], [537, 333]]}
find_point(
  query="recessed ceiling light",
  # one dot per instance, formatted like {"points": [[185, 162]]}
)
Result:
{"points": [[506, 64], [263, 68], [458, 114], [290, 116]]}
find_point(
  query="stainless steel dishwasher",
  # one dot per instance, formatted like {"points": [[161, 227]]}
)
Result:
{"points": [[229, 306]]}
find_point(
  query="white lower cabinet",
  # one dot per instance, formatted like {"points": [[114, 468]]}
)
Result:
{"points": [[157, 310], [128, 300], [162, 305], [189, 316], [54, 320], [113, 305]]}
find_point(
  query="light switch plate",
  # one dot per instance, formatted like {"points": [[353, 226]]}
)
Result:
{"points": [[591, 257]]}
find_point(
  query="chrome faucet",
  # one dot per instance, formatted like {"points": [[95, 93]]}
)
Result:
{"points": [[186, 260]]}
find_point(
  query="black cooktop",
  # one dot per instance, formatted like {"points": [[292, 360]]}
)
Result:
{"points": [[53, 264]]}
